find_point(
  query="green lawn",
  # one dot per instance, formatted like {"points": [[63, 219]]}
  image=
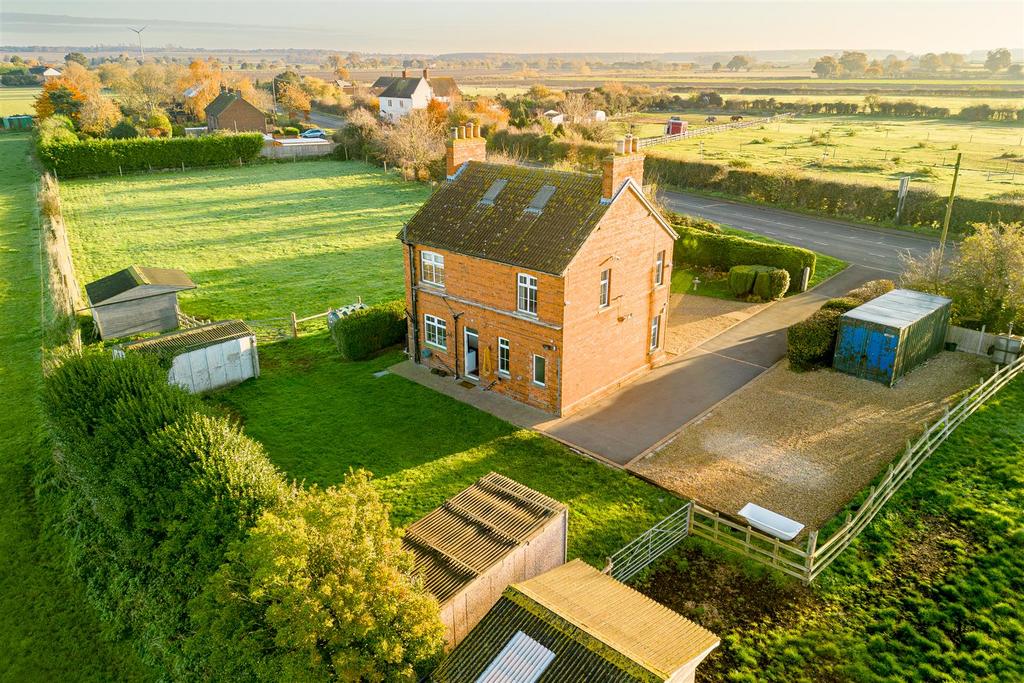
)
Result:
{"points": [[260, 241], [318, 416], [47, 631], [17, 100], [933, 590], [871, 150], [716, 284]]}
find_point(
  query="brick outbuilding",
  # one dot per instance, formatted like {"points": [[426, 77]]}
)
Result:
{"points": [[549, 287]]}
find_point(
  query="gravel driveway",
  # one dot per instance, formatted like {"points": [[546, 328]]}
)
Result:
{"points": [[803, 444]]}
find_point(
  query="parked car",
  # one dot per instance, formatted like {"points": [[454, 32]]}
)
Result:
{"points": [[313, 133]]}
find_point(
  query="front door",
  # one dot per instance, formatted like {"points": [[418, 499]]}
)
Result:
{"points": [[472, 368]]}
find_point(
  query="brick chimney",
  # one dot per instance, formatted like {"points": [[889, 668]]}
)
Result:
{"points": [[626, 162], [405, 73], [465, 144], [425, 74]]}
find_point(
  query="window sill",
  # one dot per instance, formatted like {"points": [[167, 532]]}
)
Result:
{"points": [[504, 375], [435, 346], [430, 285]]}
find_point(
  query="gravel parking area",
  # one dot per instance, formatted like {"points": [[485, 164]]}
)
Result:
{"points": [[693, 319], [803, 444]]}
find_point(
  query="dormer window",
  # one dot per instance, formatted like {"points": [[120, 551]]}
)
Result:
{"points": [[540, 199], [493, 191], [432, 268]]}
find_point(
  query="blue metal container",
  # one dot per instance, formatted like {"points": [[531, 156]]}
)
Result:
{"points": [[888, 337]]}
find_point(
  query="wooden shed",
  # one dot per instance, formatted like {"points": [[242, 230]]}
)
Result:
{"points": [[574, 623], [206, 357], [136, 300], [490, 535]]}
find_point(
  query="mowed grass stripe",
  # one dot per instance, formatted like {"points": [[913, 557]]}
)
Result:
{"points": [[47, 631], [259, 241]]}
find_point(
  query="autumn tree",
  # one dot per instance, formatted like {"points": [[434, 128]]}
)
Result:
{"points": [[952, 60], [98, 115], [413, 143], [930, 62], [294, 100], [716, 67], [998, 59], [854, 63], [202, 82], [321, 589], [827, 67], [59, 96], [739, 62], [437, 112], [76, 57], [985, 278]]}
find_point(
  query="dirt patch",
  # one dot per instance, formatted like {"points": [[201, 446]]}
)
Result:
{"points": [[803, 444], [693, 319]]}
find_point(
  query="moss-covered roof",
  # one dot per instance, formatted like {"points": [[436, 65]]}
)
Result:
{"points": [[224, 100], [507, 230], [402, 88]]}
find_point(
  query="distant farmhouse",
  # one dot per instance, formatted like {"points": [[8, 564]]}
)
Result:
{"points": [[45, 73], [400, 95], [546, 286], [230, 111]]}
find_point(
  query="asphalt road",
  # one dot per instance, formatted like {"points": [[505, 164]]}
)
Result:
{"points": [[877, 248], [326, 120]]}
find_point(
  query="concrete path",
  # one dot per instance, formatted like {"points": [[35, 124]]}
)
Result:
{"points": [[856, 244], [652, 409]]}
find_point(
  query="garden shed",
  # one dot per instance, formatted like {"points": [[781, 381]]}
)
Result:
{"points": [[135, 300], [490, 535], [207, 357], [888, 337]]}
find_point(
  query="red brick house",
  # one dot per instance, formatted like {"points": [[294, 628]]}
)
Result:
{"points": [[230, 111], [547, 286]]}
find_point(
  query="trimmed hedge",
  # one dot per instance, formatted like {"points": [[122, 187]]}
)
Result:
{"points": [[871, 290], [811, 343], [742, 278], [922, 208], [367, 331], [708, 249], [771, 284], [106, 156], [842, 304]]}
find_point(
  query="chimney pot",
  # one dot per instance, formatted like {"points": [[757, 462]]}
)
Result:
{"points": [[405, 73], [620, 146], [471, 130], [636, 145], [455, 132]]}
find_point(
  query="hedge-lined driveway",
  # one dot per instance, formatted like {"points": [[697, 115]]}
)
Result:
{"points": [[652, 409]]}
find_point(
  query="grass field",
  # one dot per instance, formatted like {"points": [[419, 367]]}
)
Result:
{"points": [[931, 591], [716, 284], [17, 100], [871, 150], [47, 631], [319, 416], [259, 241]]}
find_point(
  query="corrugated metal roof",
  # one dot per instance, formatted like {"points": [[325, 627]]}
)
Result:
{"points": [[192, 338], [474, 530], [504, 231], [629, 622], [136, 276], [898, 308], [579, 657]]}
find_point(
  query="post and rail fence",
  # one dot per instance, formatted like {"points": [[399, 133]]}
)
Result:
{"points": [[805, 561], [710, 130]]}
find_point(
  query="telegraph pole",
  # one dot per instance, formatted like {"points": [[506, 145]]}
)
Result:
{"points": [[949, 213]]}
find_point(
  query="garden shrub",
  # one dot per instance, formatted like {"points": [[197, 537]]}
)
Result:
{"points": [[811, 343], [722, 252], [842, 304], [681, 220], [741, 279], [107, 156], [871, 290], [365, 332], [124, 130], [771, 283], [290, 130]]}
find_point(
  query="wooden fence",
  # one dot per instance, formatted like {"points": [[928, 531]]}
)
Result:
{"points": [[804, 561], [709, 130]]}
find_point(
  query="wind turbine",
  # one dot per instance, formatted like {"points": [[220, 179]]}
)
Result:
{"points": [[138, 31]]}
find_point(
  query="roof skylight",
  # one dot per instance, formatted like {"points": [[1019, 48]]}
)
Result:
{"points": [[492, 192], [540, 199]]}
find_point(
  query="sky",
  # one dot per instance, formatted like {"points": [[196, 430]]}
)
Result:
{"points": [[524, 26]]}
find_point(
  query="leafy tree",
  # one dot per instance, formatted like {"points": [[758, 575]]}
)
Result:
{"points": [[952, 60], [293, 99], [1015, 71], [716, 67], [827, 67], [321, 590], [77, 57], [413, 143], [158, 125], [985, 278], [998, 59], [854, 63], [739, 62], [930, 62], [59, 96], [98, 115]]}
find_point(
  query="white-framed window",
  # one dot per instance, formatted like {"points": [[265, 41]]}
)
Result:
{"points": [[539, 370], [435, 331], [655, 332], [504, 357], [432, 268], [390, 103], [606, 287], [659, 269], [527, 294]]}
